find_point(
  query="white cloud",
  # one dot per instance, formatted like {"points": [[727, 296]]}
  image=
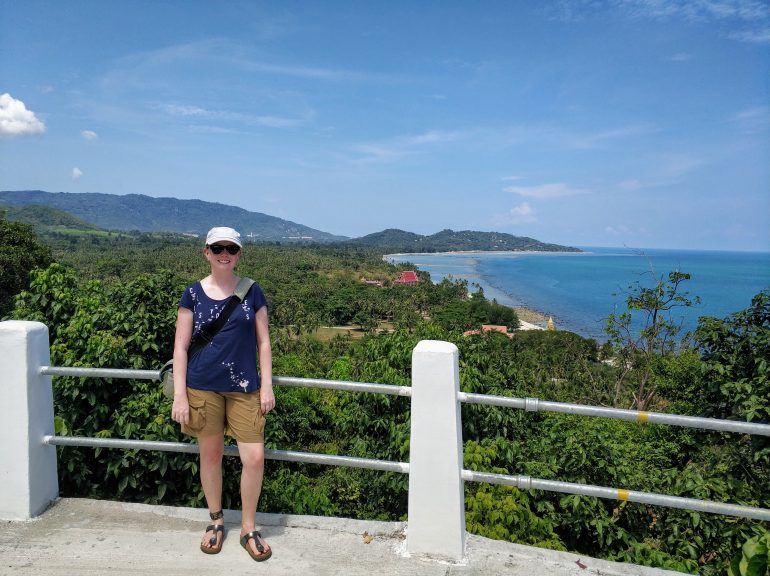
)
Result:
{"points": [[433, 137], [331, 74], [560, 137], [674, 165], [555, 190], [618, 230], [716, 14], [520, 214], [401, 146], [753, 120], [76, 174], [196, 112], [587, 141], [277, 121], [668, 169], [699, 10], [206, 129], [379, 152], [182, 110], [631, 184], [133, 69], [680, 57], [16, 120], [89, 134], [727, 13], [760, 36]]}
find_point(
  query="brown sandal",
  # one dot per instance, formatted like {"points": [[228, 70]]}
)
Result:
{"points": [[215, 542], [257, 537]]}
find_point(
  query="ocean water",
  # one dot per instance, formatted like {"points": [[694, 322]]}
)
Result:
{"points": [[580, 289]]}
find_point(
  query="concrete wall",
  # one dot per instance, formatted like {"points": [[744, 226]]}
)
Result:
{"points": [[28, 481]]}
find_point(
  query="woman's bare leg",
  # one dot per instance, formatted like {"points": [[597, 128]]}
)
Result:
{"points": [[211, 450], [253, 460]]}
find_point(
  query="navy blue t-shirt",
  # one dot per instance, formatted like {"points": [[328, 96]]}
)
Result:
{"points": [[229, 362]]}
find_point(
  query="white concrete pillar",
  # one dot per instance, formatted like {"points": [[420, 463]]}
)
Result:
{"points": [[436, 525], [28, 482]]}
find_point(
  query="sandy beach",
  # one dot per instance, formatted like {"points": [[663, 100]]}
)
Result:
{"points": [[531, 316], [405, 255]]}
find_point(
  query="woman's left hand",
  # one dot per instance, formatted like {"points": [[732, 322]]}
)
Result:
{"points": [[266, 399]]}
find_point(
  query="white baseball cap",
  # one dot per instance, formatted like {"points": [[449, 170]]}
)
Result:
{"points": [[223, 233]]}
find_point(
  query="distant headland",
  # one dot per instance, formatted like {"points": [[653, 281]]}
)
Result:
{"points": [[393, 240]]}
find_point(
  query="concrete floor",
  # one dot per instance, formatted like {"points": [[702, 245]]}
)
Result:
{"points": [[89, 537]]}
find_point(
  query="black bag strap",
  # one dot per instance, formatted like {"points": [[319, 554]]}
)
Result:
{"points": [[207, 334]]}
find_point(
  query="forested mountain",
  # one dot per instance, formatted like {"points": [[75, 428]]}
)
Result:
{"points": [[46, 218], [148, 214], [394, 240], [136, 212]]}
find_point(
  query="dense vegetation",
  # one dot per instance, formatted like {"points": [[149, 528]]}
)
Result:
{"points": [[45, 218], [307, 286], [111, 302], [20, 252]]}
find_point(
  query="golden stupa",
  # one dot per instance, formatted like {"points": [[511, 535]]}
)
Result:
{"points": [[550, 325]]}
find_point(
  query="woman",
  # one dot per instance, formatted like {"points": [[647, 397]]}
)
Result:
{"points": [[220, 390]]}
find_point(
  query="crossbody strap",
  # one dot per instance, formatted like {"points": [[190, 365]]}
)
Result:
{"points": [[207, 334]]}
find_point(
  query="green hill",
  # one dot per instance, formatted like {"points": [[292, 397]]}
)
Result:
{"points": [[47, 219], [393, 240], [96, 213], [148, 214]]}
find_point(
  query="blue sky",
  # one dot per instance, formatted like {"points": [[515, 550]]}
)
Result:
{"points": [[622, 122]]}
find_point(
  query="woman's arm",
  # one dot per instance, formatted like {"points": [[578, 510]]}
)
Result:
{"points": [[266, 396], [180, 410]]}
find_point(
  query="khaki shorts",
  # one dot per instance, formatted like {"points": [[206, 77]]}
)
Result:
{"points": [[234, 413]]}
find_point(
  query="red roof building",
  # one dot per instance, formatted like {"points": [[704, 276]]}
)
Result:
{"points": [[408, 278]]}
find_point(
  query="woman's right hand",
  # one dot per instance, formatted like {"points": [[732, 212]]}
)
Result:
{"points": [[180, 409]]}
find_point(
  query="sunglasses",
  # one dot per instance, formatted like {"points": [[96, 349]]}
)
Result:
{"points": [[232, 249]]}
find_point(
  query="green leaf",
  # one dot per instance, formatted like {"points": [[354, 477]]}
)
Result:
{"points": [[60, 426]]}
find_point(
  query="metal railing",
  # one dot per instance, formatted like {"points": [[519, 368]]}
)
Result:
{"points": [[519, 481], [185, 447], [526, 483], [119, 373], [639, 416], [391, 389]]}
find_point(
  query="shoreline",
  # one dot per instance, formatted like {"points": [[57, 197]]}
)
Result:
{"points": [[583, 291], [530, 318], [453, 252]]}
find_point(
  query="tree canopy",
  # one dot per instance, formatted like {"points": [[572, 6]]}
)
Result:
{"points": [[20, 253], [116, 308]]}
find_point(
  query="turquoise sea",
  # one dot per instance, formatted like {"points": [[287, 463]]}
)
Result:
{"points": [[580, 289]]}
